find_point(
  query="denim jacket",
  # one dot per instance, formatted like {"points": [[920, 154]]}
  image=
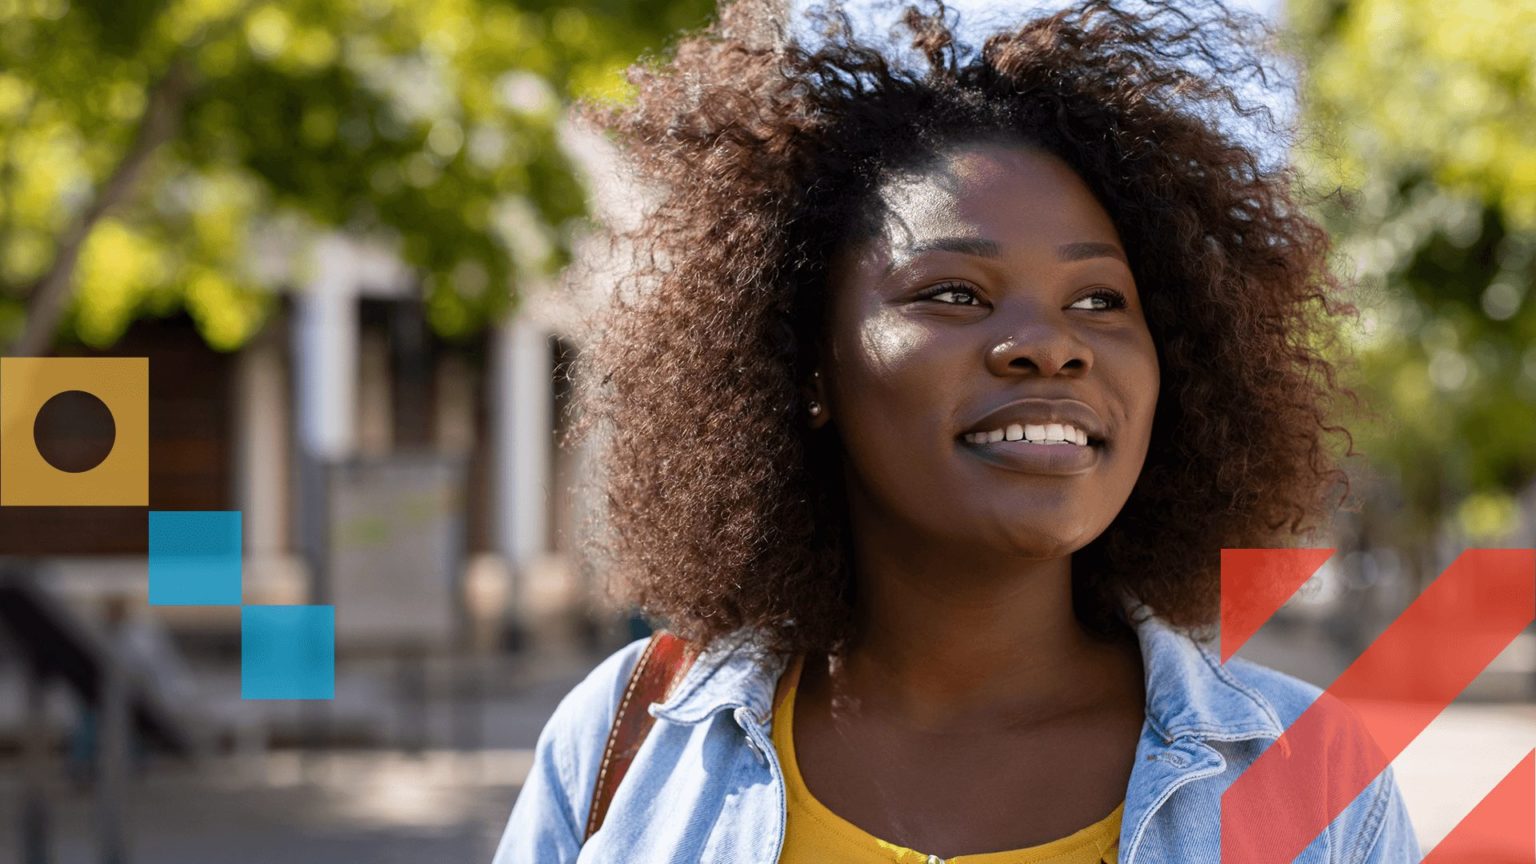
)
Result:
{"points": [[707, 786]]}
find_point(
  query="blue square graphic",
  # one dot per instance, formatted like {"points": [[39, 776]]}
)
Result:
{"points": [[194, 557], [288, 652]]}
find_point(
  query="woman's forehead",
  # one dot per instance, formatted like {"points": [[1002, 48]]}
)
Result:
{"points": [[1005, 194]]}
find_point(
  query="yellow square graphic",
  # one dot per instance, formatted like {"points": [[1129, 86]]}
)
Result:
{"points": [[26, 478]]}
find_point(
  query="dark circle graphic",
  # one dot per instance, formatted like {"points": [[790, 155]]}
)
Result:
{"points": [[74, 431]]}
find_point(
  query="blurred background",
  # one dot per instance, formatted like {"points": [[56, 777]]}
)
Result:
{"points": [[333, 225]]}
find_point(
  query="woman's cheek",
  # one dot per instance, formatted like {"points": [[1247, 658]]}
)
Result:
{"points": [[887, 345], [890, 351], [888, 390]]}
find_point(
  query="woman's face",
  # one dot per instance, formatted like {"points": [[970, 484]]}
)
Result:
{"points": [[996, 301]]}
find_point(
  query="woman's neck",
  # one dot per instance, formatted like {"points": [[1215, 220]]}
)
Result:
{"points": [[950, 641]]}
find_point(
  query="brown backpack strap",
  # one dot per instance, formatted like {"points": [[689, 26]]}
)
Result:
{"points": [[663, 663]]}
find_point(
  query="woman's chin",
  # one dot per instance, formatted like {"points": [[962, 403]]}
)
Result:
{"points": [[1043, 545]]}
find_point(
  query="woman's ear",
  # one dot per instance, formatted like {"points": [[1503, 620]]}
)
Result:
{"points": [[817, 413]]}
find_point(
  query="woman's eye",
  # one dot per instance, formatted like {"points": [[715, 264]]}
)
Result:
{"points": [[1107, 298], [946, 291]]}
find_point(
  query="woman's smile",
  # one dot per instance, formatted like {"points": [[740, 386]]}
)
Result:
{"points": [[1038, 436]]}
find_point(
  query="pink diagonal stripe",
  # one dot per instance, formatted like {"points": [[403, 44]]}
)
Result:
{"points": [[1378, 705], [1255, 583], [1502, 827]]}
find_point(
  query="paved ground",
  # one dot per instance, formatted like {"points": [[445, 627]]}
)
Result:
{"points": [[444, 806], [359, 808], [332, 807]]}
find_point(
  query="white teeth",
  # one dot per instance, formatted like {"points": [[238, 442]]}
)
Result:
{"points": [[1045, 433]]}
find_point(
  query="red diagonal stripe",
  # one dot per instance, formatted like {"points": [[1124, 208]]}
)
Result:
{"points": [[1397, 686], [1502, 827], [1255, 583]]}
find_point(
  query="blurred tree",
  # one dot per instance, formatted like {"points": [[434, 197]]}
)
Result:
{"points": [[165, 154], [1427, 114]]}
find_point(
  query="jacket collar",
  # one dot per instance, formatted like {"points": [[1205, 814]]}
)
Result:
{"points": [[732, 672], [1190, 694]]}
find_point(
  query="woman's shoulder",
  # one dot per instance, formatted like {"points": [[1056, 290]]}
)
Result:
{"points": [[1330, 749], [552, 806], [586, 712]]}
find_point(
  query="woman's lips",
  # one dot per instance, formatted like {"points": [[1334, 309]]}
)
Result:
{"points": [[1022, 456]]}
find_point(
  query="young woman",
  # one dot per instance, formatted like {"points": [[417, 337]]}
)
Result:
{"points": [[935, 393]]}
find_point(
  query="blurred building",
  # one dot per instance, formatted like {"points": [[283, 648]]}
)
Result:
{"points": [[346, 371]]}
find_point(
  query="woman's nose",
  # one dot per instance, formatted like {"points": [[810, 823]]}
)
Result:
{"points": [[1038, 343]]}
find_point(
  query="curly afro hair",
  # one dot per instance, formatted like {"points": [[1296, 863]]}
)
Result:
{"points": [[765, 150]]}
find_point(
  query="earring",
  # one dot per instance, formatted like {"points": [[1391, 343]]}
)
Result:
{"points": [[814, 408]]}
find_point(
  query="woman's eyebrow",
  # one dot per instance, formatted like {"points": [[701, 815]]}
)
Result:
{"points": [[1081, 251], [963, 245], [1088, 249]]}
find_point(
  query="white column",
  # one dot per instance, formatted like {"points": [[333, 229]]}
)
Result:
{"points": [[325, 396], [326, 371], [521, 390]]}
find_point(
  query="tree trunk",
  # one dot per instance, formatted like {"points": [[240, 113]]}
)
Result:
{"points": [[48, 297]]}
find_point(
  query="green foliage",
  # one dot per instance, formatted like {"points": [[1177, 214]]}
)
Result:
{"points": [[428, 122], [1428, 113]]}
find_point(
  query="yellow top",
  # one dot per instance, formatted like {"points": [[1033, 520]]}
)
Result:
{"points": [[815, 834]]}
